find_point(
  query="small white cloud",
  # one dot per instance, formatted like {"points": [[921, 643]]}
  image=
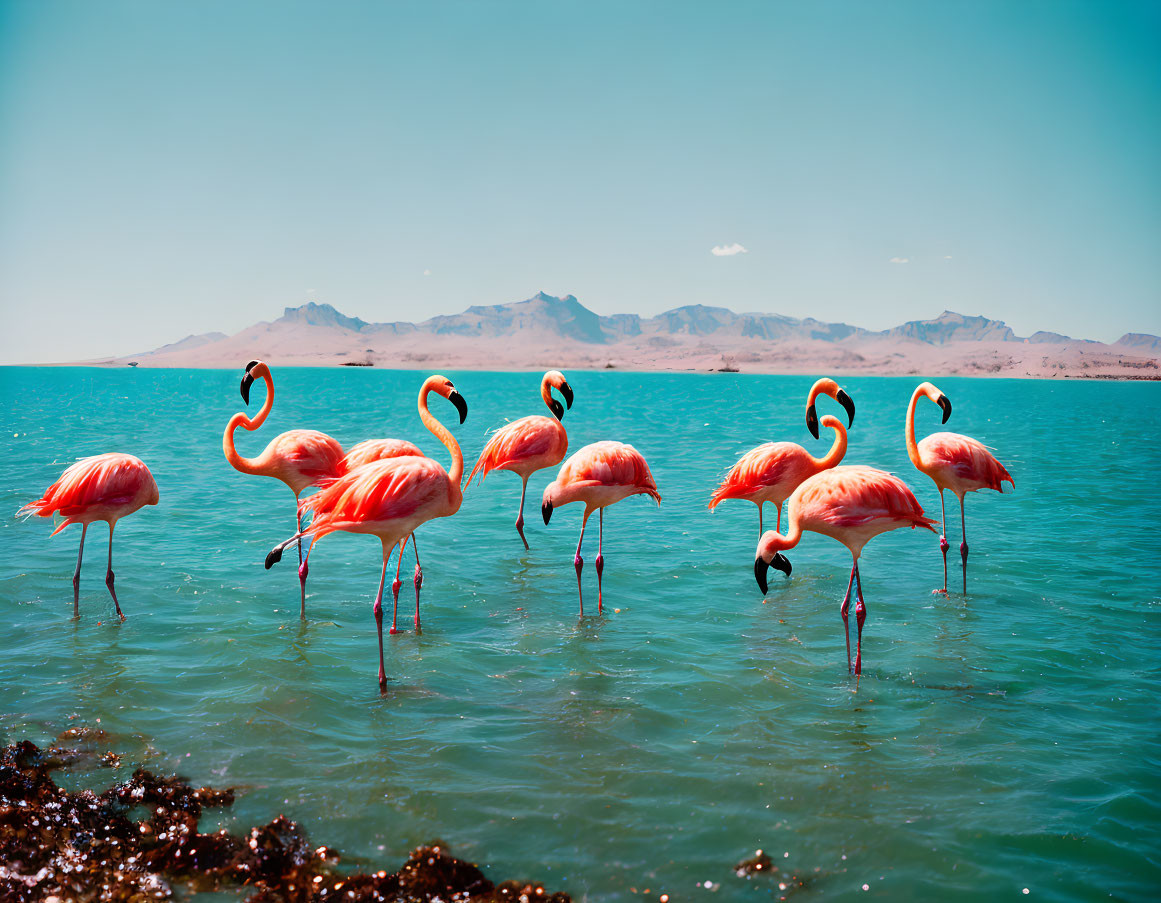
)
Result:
{"points": [[900, 260], [947, 257], [427, 272], [310, 291], [728, 250]]}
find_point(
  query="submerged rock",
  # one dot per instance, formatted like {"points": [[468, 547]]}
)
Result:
{"points": [[132, 842]]}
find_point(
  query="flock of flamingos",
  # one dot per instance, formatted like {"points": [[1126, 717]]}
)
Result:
{"points": [[388, 488]]}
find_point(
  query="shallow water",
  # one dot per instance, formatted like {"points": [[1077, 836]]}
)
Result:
{"points": [[999, 741]]}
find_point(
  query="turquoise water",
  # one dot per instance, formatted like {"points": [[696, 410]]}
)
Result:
{"points": [[997, 742]]}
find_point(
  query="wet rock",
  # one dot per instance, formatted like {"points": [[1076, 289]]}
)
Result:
{"points": [[132, 842]]}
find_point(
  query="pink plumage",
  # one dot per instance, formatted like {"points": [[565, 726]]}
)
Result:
{"points": [[770, 472], [954, 462], [529, 444], [853, 505], [104, 487], [389, 498], [299, 458], [599, 475], [379, 450]]}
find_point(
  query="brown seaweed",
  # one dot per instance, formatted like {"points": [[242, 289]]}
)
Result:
{"points": [[133, 842]]}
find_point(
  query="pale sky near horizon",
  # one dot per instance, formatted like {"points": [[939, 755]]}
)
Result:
{"points": [[168, 169]]}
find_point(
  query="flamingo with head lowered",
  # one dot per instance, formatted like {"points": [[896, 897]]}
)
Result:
{"points": [[104, 487], [852, 504], [770, 472], [599, 475], [389, 498], [299, 458], [954, 462], [529, 444]]}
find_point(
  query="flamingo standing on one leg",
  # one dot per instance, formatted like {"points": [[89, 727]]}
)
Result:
{"points": [[380, 450], [852, 504], [390, 498], [300, 458], [530, 443], [954, 462], [599, 475], [770, 472], [104, 487]]}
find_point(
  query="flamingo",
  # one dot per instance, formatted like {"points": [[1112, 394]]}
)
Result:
{"points": [[954, 462], [599, 475], [104, 487], [770, 472], [380, 450], [300, 458], [529, 444], [389, 498], [852, 504]]}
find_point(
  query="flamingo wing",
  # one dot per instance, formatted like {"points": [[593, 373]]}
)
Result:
{"points": [[529, 437], [108, 480], [966, 458], [387, 490], [379, 450], [759, 468], [854, 496], [609, 464]]}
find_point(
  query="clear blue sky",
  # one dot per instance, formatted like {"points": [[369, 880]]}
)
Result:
{"points": [[173, 168]]}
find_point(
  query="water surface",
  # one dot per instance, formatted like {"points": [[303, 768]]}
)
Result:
{"points": [[999, 741]]}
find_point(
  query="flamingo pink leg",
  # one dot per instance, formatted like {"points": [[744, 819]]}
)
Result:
{"points": [[418, 580], [109, 576], [844, 609], [600, 559], [520, 515], [944, 545], [379, 621], [303, 568], [579, 564], [963, 546], [860, 616], [396, 585], [778, 526], [77, 574], [760, 530]]}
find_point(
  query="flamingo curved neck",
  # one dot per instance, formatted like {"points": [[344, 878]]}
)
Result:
{"points": [[791, 537], [247, 465], [456, 471], [912, 446], [838, 448], [546, 393]]}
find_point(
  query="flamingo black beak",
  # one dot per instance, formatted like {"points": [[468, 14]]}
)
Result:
{"points": [[848, 403], [247, 382], [566, 391], [546, 512], [462, 406], [812, 421], [780, 562], [273, 557], [944, 402], [557, 409]]}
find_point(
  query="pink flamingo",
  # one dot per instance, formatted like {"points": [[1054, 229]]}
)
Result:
{"points": [[770, 472], [529, 444], [380, 450], [390, 498], [104, 487], [852, 504], [300, 458], [954, 462], [599, 475]]}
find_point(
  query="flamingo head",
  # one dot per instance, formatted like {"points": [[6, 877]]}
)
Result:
{"points": [[770, 555], [550, 500], [555, 379], [938, 397], [254, 370], [835, 391], [443, 386]]}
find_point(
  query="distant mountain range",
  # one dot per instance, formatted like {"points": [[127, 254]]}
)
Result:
{"points": [[558, 330]]}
